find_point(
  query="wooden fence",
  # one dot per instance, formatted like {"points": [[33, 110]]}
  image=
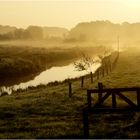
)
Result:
{"points": [[108, 64], [113, 92], [103, 94]]}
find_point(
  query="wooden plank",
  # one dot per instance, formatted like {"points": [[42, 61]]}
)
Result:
{"points": [[114, 100], [127, 100], [114, 90], [102, 99]]}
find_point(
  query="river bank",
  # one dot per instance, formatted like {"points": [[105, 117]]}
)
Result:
{"points": [[68, 73], [22, 62]]}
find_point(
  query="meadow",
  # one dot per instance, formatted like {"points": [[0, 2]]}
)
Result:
{"points": [[48, 112]]}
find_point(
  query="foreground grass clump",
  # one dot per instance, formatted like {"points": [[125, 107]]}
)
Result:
{"points": [[48, 112]]}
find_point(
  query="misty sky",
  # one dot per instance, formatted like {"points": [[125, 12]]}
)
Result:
{"points": [[67, 13]]}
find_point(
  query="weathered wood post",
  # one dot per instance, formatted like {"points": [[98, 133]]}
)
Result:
{"points": [[91, 77], [86, 123], [70, 90], [100, 87], [82, 81], [114, 104], [138, 98]]}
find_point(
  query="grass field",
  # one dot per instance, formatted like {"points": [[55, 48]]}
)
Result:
{"points": [[48, 112]]}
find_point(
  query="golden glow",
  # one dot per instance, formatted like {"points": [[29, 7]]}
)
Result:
{"points": [[67, 13]]}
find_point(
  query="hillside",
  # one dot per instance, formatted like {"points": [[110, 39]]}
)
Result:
{"points": [[48, 112], [106, 31]]}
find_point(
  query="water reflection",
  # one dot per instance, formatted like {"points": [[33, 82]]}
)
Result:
{"points": [[50, 75]]}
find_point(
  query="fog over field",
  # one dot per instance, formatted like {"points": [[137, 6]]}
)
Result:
{"points": [[69, 69]]}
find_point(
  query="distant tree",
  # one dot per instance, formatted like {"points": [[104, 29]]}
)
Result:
{"points": [[85, 63], [35, 32]]}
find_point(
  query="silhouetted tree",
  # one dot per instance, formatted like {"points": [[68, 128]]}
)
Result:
{"points": [[85, 63]]}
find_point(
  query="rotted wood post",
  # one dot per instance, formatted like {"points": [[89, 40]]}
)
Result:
{"points": [[138, 98], [100, 87], [114, 104], [70, 90], [82, 81], [86, 123], [91, 77]]}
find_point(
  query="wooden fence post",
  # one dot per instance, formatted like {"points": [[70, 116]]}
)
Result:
{"points": [[114, 100], [100, 87], [86, 123], [138, 98], [70, 90], [82, 81], [91, 77]]}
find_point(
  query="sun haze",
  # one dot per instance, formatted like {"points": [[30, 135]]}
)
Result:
{"points": [[67, 13]]}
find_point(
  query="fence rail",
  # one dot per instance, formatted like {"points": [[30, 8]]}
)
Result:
{"points": [[114, 92], [108, 64], [103, 94]]}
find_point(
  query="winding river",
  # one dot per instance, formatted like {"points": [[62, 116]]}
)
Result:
{"points": [[59, 73]]}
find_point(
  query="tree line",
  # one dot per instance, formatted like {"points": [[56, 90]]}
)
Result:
{"points": [[95, 31], [32, 32]]}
